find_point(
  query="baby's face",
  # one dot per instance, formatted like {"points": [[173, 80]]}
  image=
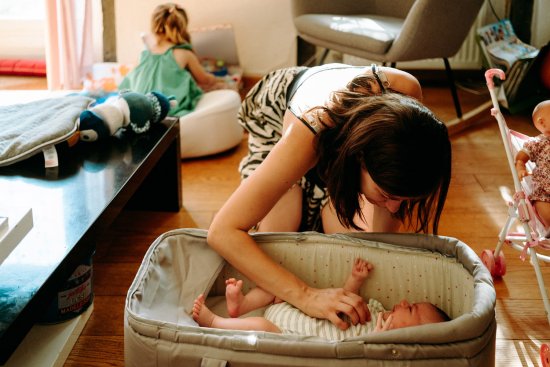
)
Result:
{"points": [[541, 117], [406, 314]]}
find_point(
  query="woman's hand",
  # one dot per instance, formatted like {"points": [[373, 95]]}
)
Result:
{"points": [[333, 303]]}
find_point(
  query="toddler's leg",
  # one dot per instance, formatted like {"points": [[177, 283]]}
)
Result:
{"points": [[359, 273], [204, 317], [238, 304]]}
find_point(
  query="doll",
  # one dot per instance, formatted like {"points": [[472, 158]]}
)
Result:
{"points": [[537, 150]]}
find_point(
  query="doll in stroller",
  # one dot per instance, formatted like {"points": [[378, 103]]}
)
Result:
{"points": [[529, 161], [537, 150]]}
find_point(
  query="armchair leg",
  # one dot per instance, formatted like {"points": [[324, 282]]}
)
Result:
{"points": [[323, 56], [452, 85]]}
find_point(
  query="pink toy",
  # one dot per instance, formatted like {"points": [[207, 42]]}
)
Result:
{"points": [[520, 209]]}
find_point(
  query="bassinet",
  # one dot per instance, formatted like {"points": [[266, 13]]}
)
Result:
{"points": [[179, 265]]}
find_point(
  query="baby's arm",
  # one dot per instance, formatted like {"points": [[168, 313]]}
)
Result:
{"points": [[359, 273], [521, 160]]}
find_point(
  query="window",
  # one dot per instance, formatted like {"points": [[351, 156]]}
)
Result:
{"points": [[22, 9], [22, 28]]}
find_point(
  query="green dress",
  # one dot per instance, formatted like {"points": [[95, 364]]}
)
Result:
{"points": [[161, 72]]}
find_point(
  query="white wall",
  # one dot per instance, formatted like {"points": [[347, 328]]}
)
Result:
{"points": [[540, 32], [265, 35], [22, 39]]}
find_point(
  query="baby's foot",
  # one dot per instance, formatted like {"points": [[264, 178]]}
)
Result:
{"points": [[233, 296], [202, 314], [361, 269]]}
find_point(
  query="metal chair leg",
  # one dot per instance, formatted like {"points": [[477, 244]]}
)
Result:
{"points": [[452, 85]]}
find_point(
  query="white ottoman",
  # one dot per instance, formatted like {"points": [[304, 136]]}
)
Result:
{"points": [[212, 127]]}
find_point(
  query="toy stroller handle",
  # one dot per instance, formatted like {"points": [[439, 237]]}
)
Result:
{"points": [[489, 74]]}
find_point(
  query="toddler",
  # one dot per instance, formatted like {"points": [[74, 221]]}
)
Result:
{"points": [[537, 150], [168, 64], [281, 317]]}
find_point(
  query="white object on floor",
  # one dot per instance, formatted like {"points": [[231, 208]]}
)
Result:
{"points": [[49, 345], [212, 127]]}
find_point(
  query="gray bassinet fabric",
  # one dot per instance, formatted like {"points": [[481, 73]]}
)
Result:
{"points": [[179, 265]]}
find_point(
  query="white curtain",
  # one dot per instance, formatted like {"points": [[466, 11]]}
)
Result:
{"points": [[69, 46]]}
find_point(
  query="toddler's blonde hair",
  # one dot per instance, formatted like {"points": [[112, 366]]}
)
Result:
{"points": [[170, 21]]}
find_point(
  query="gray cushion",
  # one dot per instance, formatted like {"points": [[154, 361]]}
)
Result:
{"points": [[374, 33]]}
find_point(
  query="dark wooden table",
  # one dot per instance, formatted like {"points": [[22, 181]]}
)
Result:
{"points": [[71, 205]]}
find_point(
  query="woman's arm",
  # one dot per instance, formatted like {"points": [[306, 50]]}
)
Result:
{"points": [[287, 162]]}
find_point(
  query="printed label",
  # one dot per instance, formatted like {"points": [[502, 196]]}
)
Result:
{"points": [[75, 298], [50, 157]]}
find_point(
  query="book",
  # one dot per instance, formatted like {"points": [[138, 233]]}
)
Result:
{"points": [[501, 48]]}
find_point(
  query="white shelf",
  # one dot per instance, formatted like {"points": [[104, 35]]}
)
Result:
{"points": [[15, 223], [49, 345]]}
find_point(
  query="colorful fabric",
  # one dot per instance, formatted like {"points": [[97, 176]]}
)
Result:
{"points": [[261, 114], [161, 73], [538, 150]]}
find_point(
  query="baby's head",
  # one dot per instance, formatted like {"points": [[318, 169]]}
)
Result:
{"points": [[541, 117], [406, 314], [170, 21]]}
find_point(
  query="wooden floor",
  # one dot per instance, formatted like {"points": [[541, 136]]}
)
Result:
{"points": [[474, 213]]}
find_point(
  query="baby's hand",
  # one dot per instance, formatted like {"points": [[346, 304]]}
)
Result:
{"points": [[361, 268], [382, 325]]}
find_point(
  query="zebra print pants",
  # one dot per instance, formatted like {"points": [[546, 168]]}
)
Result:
{"points": [[261, 114]]}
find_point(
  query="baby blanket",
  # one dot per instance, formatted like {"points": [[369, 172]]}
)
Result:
{"points": [[29, 128]]}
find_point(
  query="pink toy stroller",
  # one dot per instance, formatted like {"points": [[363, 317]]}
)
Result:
{"points": [[534, 235]]}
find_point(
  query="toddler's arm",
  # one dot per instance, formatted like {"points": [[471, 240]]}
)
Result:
{"points": [[203, 78], [521, 160]]}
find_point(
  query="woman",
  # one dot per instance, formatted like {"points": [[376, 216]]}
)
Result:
{"points": [[333, 148]]}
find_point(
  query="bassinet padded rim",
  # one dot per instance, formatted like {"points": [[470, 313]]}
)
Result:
{"points": [[469, 336]]}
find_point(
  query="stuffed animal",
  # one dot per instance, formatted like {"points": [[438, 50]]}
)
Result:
{"points": [[132, 110]]}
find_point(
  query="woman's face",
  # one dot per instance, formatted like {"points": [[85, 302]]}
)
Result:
{"points": [[376, 196]]}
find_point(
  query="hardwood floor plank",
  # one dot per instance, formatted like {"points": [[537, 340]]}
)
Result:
{"points": [[95, 351], [107, 318], [521, 319], [519, 352], [114, 279]]}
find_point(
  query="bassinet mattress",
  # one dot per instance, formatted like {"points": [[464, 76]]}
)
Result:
{"points": [[179, 265]]}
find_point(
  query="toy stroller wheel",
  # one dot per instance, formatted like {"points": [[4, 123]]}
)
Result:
{"points": [[488, 260], [500, 264], [545, 355]]}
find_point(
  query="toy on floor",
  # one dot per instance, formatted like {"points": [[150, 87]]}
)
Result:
{"points": [[131, 110]]}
